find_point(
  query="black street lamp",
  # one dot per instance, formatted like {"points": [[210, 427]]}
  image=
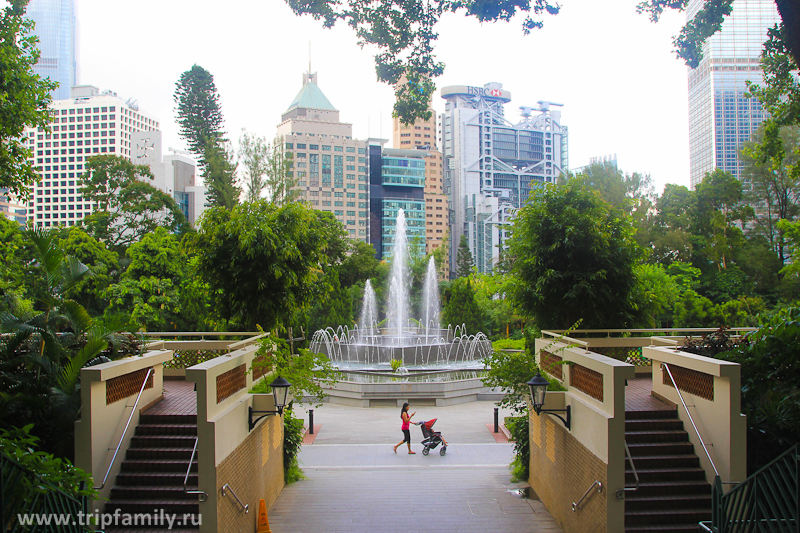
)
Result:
{"points": [[280, 391], [538, 387]]}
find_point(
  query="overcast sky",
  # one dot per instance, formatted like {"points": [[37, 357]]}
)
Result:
{"points": [[623, 90]]}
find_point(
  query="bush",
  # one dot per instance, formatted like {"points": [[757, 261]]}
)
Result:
{"points": [[520, 431], [509, 344], [292, 440]]}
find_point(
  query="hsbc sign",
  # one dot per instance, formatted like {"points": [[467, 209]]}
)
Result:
{"points": [[482, 91]]}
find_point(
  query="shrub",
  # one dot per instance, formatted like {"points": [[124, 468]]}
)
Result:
{"points": [[292, 440]]}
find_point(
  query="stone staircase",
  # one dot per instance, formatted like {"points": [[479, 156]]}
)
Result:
{"points": [[673, 493], [151, 476]]}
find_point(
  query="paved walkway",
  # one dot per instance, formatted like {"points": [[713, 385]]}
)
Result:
{"points": [[356, 484]]}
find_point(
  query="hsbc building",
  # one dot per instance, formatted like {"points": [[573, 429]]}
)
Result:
{"points": [[491, 163]]}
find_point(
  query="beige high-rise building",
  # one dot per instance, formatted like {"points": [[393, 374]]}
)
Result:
{"points": [[421, 135], [331, 167]]}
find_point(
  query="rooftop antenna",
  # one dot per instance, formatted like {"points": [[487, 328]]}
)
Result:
{"points": [[309, 58]]}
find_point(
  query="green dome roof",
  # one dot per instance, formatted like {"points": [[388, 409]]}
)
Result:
{"points": [[311, 97]]}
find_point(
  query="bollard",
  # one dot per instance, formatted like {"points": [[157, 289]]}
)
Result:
{"points": [[496, 421], [310, 421]]}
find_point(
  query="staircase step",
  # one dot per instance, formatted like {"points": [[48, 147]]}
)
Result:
{"points": [[663, 461], [665, 474], [644, 415], [157, 465], [183, 454], [633, 502], [162, 441], [656, 436], [674, 516], [125, 479], [166, 429], [167, 419], [670, 488], [640, 449], [650, 424], [152, 492]]}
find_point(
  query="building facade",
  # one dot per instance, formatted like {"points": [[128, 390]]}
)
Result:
{"points": [[56, 27], [330, 167], [720, 117], [397, 181], [89, 123], [422, 135], [11, 208], [491, 164]]}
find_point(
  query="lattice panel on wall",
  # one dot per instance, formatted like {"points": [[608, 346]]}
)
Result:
{"points": [[691, 381], [122, 387], [587, 381], [630, 354], [259, 366], [231, 382], [551, 364]]}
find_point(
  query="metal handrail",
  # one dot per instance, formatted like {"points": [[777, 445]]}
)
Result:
{"points": [[568, 340], [124, 431], [576, 506], [645, 330], [620, 494], [666, 367], [203, 495], [245, 342], [245, 507]]}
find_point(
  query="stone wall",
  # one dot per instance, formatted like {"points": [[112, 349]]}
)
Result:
{"points": [[255, 471], [561, 469]]}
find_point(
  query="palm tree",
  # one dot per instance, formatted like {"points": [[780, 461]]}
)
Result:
{"points": [[42, 350]]}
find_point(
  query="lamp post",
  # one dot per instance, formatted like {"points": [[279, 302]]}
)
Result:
{"points": [[280, 391], [538, 386]]}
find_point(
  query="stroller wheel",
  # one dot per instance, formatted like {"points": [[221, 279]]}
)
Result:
{"points": [[443, 451], [425, 451]]}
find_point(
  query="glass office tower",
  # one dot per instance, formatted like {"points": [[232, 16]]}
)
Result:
{"points": [[720, 117], [56, 27]]}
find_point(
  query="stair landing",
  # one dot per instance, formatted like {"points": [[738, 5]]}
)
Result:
{"points": [[638, 397]]}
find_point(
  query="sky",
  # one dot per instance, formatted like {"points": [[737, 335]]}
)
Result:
{"points": [[623, 90]]}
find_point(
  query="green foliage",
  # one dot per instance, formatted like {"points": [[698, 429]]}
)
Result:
{"points": [[187, 358], [404, 35], [280, 182], [462, 309], [127, 207], [655, 294], [490, 294], [263, 263], [360, 265], [335, 309], [45, 347], [20, 445], [219, 175], [464, 261], [104, 265], [24, 97], [572, 257], [197, 109], [292, 440], [519, 427], [509, 344], [396, 363], [305, 370], [148, 290], [771, 386], [253, 154]]}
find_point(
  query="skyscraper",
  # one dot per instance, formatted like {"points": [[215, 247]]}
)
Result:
{"points": [[330, 166], [491, 164], [56, 27], [720, 117]]}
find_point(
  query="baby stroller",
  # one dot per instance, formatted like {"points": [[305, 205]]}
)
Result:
{"points": [[431, 439]]}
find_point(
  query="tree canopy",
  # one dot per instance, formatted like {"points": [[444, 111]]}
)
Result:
{"points": [[197, 109], [262, 262], [573, 257], [24, 97]]}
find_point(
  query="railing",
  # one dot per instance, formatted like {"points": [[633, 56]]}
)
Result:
{"points": [[620, 494], [576, 506], [665, 366], [246, 342], [245, 507], [21, 498], [125, 431], [769, 500], [202, 494]]}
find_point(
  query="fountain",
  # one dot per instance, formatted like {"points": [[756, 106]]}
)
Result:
{"points": [[431, 355]]}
